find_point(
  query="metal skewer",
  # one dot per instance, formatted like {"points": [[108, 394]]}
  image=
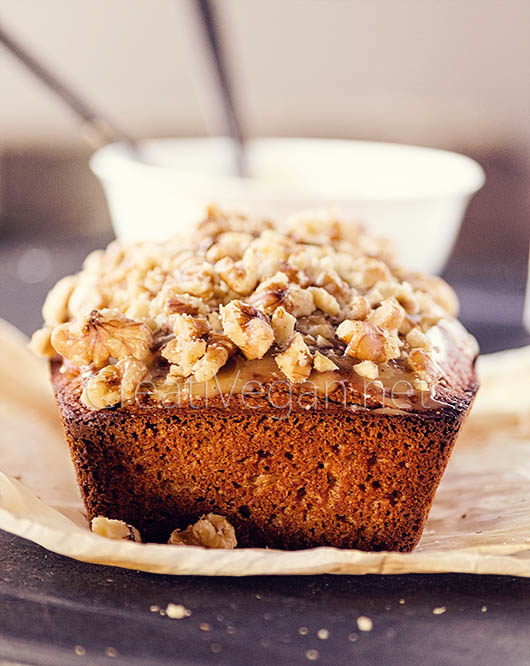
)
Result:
{"points": [[211, 75], [97, 129]]}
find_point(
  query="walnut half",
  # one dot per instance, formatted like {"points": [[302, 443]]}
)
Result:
{"points": [[210, 531], [104, 333]]}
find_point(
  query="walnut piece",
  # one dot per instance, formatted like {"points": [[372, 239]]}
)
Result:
{"points": [[325, 301], [368, 342], [55, 308], [114, 529], [283, 324], [323, 363], [248, 328], [295, 362], [103, 389], [367, 369], [278, 291], [101, 335], [210, 531], [188, 345]]}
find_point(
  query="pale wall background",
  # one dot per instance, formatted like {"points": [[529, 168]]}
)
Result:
{"points": [[449, 73]]}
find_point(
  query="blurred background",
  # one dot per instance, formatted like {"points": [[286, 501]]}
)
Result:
{"points": [[447, 74]]}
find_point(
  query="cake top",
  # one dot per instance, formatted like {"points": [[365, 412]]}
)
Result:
{"points": [[316, 297]]}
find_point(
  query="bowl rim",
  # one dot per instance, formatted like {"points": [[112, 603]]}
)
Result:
{"points": [[116, 162]]}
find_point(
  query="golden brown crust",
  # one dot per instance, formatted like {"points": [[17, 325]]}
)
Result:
{"points": [[286, 478]]}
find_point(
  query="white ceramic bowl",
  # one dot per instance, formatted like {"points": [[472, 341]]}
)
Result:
{"points": [[415, 196]]}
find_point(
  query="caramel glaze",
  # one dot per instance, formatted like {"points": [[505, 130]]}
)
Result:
{"points": [[252, 382]]}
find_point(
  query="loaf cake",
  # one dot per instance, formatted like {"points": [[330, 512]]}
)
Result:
{"points": [[294, 379]]}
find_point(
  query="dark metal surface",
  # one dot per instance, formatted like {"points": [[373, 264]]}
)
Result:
{"points": [[56, 611], [50, 605]]}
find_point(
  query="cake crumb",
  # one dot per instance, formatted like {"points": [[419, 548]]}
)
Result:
{"points": [[79, 650], [402, 601], [154, 609], [483, 609], [111, 652], [323, 634], [439, 610], [303, 631], [204, 626], [176, 611], [312, 655], [364, 623]]}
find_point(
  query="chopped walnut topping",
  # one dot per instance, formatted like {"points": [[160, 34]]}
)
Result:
{"points": [[366, 369], [103, 389], [114, 529], [219, 349], [358, 307], [283, 324], [295, 362], [55, 308], [367, 341], [132, 372], [416, 338], [316, 290], [323, 363], [240, 276], [40, 343], [325, 301], [388, 315], [102, 335], [248, 328], [210, 531], [277, 290]]}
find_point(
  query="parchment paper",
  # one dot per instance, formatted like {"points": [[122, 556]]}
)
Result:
{"points": [[480, 521]]}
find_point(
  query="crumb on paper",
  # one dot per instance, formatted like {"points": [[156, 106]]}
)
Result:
{"points": [[364, 623], [114, 529], [439, 610], [177, 611], [210, 531]]}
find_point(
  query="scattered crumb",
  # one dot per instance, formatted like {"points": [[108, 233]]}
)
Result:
{"points": [[464, 515], [230, 629], [312, 655], [390, 633], [303, 631], [111, 652], [204, 626], [267, 616], [483, 609], [323, 634], [176, 611], [215, 648], [388, 607], [353, 637], [364, 623], [154, 609], [439, 610], [402, 601], [79, 650]]}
